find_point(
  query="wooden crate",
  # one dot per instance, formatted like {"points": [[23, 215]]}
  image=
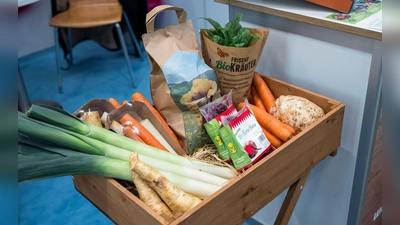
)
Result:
{"points": [[287, 166]]}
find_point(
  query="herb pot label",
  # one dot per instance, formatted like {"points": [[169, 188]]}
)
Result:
{"points": [[234, 66]]}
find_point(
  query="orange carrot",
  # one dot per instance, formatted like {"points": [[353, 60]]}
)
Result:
{"points": [[124, 102], [114, 102], [144, 134], [268, 121], [275, 141], [263, 91], [290, 128], [256, 98], [140, 98], [129, 132]]}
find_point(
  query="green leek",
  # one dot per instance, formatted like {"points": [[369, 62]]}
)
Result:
{"points": [[85, 144], [87, 149], [62, 119], [38, 161]]}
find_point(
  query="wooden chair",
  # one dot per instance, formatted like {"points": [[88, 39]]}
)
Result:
{"points": [[92, 13]]}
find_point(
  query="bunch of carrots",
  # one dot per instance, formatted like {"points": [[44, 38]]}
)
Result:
{"points": [[135, 130], [261, 102]]}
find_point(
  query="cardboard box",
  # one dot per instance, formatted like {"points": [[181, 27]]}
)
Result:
{"points": [[339, 5], [246, 194]]}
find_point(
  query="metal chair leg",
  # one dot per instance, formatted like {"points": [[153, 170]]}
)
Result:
{"points": [[133, 37], [24, 103], [70, 46], [122, 40], [23, 100], [57, 59], [68, 56]]}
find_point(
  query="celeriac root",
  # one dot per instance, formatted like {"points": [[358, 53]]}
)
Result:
{"points": [[176, 199], [151, 198], [92, 117]]}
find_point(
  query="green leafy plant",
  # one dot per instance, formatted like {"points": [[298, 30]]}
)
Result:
{"points": [[233, 34]]}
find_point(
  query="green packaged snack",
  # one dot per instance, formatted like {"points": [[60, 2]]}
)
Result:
{"points": [[238, 156], [212, 127]]}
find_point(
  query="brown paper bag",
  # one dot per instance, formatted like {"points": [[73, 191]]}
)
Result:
{"points": [[180, 81], [234, 66]]}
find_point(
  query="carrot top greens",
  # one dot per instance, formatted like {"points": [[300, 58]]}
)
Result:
{"points": [[233, 34]]}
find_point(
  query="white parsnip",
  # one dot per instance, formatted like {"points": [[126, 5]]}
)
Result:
{"points": [[151, 198], [176, 199]]}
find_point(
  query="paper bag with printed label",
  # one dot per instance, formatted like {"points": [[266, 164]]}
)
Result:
{"points": [[180, 81], [234, 66]]}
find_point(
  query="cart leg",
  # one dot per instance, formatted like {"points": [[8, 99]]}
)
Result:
{"points": [[291, 198], [333, 154]]}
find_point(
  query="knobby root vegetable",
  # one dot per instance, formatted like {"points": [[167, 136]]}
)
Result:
{"points": [[117, 127], [151, 198], [176, 199], [92, 117], [296, 111]]}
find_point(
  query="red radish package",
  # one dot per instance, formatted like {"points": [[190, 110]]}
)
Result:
{"points": [[216, 107], [244, 139]]}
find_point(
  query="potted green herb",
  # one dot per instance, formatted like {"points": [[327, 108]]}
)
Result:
{"points": [[233, 52]]}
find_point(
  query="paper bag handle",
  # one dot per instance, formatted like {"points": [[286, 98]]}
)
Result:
{"points": [[150, 17]]}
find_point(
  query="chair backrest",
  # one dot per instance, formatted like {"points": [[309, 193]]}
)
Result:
{"points": [[91, 2]]}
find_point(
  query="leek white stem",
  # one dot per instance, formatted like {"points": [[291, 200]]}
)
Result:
{"points": [[34, 163], [85, 144], [71, 123], [69, 140], [195, 187]]}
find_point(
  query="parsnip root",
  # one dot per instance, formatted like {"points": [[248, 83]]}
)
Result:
{"points": [[176, 199], [151, 198]]}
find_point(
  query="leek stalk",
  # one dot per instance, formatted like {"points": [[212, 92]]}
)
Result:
{"points": [[38, 161], [83, 148], [62, 119], [77, 142]]}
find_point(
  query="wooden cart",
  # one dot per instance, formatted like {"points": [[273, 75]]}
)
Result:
{"points": [[286, 167]]}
